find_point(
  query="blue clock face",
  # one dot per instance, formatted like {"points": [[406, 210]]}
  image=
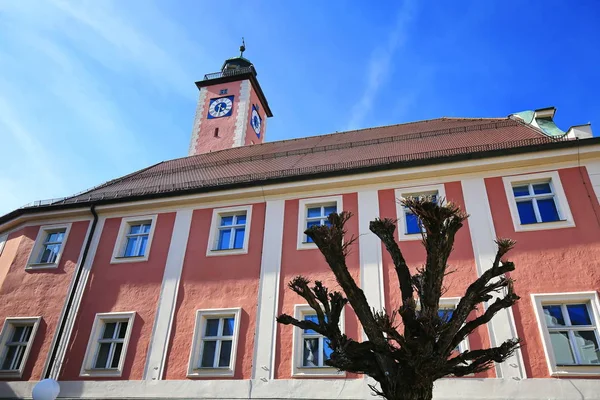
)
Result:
{"points": [[220, 107], [255, 121]]}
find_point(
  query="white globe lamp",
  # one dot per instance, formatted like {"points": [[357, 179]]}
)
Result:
{"points": [[47, 389]]}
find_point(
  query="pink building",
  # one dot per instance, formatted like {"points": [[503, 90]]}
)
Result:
{"points": [[166, 283]]}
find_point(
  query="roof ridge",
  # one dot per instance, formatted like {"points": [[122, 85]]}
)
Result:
{"points": [[338, 146]]}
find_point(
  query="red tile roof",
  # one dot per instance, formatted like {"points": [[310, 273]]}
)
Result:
{"points": [[320, 155]]}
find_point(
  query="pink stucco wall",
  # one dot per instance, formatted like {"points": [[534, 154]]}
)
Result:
{"points": [[461, 261], [33, 293], [311, 264], [121, 287], [215, 282], [549, 261]]}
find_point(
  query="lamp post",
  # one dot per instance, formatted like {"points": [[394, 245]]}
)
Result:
{"points": [[47, 389]]}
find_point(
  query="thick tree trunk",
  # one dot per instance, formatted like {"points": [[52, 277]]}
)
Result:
{"points": [[408, 391]]}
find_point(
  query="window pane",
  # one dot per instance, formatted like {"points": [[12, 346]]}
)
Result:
{"points": [[142, 250], [313, 212], [241, 219], [102, 358], [212, 327], [224, 239], [541, 188], [562, 347], [135, 229], [412, 224], [10, 355], [17, 334], [526, 213], [109, 330], [330, 210], [130, 247], [228, 324], [146, 228], [587, 344], [310, 353], [238, 241], [26, 333], [553, 316], [327, 350], [50, 253], [311, 224], [225, 354], [117, 355], [226, 221], [55, 237], [208, 354], [579, 314], [122, 330], [445, 314], [18, 357], [521, 190], [312, 318], [548, 210]]}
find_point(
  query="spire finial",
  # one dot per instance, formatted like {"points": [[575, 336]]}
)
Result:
{"points": [[242, 48]]}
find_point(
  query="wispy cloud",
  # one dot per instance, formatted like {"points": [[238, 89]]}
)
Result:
{"points": [[62, 118], [380, 64]]}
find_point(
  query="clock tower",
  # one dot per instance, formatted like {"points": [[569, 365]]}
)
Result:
{"points": [[232, 109]]}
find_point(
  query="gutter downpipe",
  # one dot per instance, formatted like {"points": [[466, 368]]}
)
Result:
{"points": [[69, 303]]}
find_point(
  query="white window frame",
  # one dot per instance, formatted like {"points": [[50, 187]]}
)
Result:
{"points": [[34, 257], [87, 368], [5, 336], [402, 193], [451, 303], [3, 240], [562, 205], [121, 241], [300, 311], [194, 371], [303, 206], [213, 237], [538, 301]]}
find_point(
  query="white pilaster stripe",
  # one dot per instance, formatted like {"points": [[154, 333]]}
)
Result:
{"points": [[197, 121], [161, 332], [369, 248], [593, 169], [241, 119], [481, 226], [72, 313], [268, 292]]}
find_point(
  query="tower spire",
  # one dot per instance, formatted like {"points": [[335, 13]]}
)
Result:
{"points": [[242, 47]]}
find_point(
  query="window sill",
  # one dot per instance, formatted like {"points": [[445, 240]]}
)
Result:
{"points": [[410, 236], [576, 370], [309, 372], [101, 372], [120, 260], [307, 246], [36, 266], [226, 252], [540, 226], [10, 374], [209, 372]]}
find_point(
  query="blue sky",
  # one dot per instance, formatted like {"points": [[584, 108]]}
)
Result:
{"points": [[91, 90]]}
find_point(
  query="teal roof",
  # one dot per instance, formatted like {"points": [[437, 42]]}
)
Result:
{"points": [[547, 125]]}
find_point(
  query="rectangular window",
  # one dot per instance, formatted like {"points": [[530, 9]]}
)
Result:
{"points": [[315, 346], [314, 212], [229, 231], [409, 226], [17, 338], [317, 215], [3, 240], [215, 342], [48, 246], [134, 239], [232, 231], [445, 312], [311, 349], [537, 201], [569, 326], [107, 346]]}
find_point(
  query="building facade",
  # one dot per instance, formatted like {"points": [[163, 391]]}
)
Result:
{"points": [[166, 282]]}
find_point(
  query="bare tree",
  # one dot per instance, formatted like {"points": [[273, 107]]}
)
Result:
{"points": [[411, 347]]}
